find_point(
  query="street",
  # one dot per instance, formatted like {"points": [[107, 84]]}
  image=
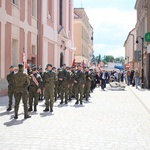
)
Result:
{"points": [[111, 120]]}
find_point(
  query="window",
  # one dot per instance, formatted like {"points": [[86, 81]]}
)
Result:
{"points": [[33, 49], [16, 2], [34, 8], [14, 53], [50, 6]]}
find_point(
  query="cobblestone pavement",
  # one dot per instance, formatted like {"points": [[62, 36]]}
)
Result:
{"points": [[111, 120]]}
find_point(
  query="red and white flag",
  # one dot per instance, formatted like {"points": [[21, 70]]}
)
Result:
{"points": [[82, 64]]}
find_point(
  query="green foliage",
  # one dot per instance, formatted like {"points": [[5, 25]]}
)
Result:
{"points": [[109, 58]]}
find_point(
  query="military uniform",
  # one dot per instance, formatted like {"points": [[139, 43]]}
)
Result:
{"points": [[79, 85], [10, 80], [34, 89], [41, 94], [63, 77], [49, 79], [22, 82], [71, 83], [88, 77]]}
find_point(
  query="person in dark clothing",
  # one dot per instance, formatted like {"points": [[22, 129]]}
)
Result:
{"points": [[103, 77]]}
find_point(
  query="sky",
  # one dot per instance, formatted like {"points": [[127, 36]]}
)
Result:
{"points": [[112, 20]]}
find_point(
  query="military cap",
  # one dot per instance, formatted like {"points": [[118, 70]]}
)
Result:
{"points": [[34, 68], [20, 64], [40, 68], [68, 67], [11, 66], [49, 65], [54, 68], [79, 65], [64, 64], [33, 65], [59, 69]]}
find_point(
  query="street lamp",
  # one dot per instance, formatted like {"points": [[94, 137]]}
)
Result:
{"points": [[141, 59]]}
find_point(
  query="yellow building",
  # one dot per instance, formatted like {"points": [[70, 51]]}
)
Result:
{"points": [[83, 37]]}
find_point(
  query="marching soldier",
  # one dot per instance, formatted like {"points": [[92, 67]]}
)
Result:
{"points": [[41, 94], [56, 84], [71, 80], [63, 77], [49, 80], [79, 84], [22, 82], [34, 88], [10, 80], [88, 76]]}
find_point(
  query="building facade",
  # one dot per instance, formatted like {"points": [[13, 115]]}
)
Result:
{"points": [[18, 33], [43, 29], [142, 27], [130, 47], [83, 37], [56, 44]]}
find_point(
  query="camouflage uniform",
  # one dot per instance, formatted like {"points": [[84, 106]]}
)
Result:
{"points": [[10, 79], [41, 94], [71, 84], [88, 76], [63, 77], [22, 82], [49, 80], [79, 85], [33, 90]]}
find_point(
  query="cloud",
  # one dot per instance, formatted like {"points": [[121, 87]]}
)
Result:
{"points": [[111, 27], [111, 24], [116, 51]]}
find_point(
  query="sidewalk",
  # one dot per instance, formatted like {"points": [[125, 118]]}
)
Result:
{"points": [[111, 120]]}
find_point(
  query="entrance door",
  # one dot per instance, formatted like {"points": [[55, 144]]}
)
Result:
{"points": [[61, 59]]}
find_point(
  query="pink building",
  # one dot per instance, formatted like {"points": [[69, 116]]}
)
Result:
{"points": [[41, 28], [55, 32]]}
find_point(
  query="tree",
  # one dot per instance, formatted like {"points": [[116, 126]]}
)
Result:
{"points": [[119, 60], [109, 58]]}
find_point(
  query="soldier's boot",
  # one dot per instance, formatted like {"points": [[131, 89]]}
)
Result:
{"points": [[61, 102], [46, 109], [51, 109], [66, 102], [9, 108], [30, 108], [86, 99], [16, 112], [27, 116], [80, 102], [77, 102], [35, 107], [16, 115]]}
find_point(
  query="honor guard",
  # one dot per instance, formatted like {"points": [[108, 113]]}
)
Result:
{"points": [[34, 88], [22, 81], [10, 80], [63, 77], [79, 84], [49, 80]]}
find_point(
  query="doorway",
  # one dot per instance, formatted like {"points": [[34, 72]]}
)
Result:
{"points": [[61, 59]]}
